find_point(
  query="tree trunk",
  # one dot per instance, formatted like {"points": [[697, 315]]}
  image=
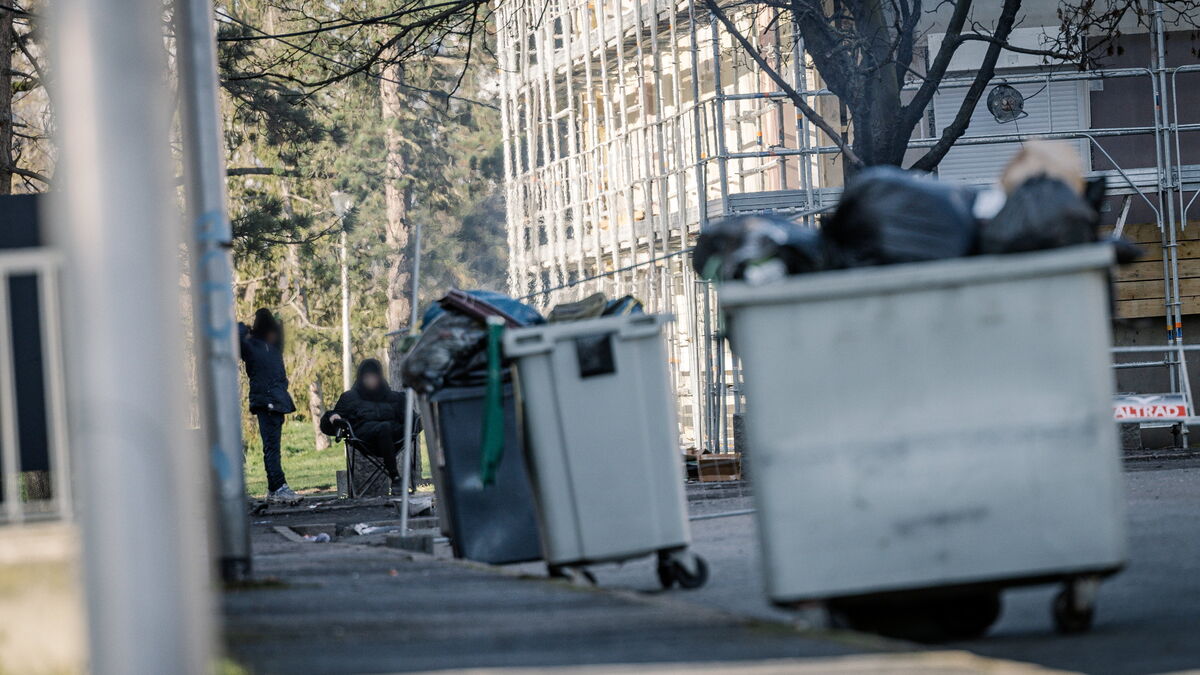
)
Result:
{"points": [[877, 139], [316, 408], [6, 101], [874, 89], [299, 282], [396, 205], [250, 294]]}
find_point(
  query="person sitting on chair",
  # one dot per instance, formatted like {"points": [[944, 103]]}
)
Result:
{"points": [[376, 413]]}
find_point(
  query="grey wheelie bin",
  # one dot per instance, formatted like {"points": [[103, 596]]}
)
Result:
{"points": [[925, 435], [494, 523], [603, 444]]}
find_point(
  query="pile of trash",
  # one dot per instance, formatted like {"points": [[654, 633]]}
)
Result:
{"points": [[451, 348], [888, 215]]}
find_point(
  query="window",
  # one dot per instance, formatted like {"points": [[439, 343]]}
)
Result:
{"points": [[1059, 106]]}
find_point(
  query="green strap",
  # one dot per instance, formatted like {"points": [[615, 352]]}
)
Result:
{"points": [[492, 446]]}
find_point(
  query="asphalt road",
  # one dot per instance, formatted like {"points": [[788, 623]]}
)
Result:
{"points": [[1148, 617]]}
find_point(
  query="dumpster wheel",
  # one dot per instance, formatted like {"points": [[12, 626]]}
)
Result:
{"points": [[673, 570], [936, 618], [574, 575], [1074, 607]]}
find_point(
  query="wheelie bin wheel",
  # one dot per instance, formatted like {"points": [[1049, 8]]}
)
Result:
{"points": [[972, 617], [1071, 616], [572, 575], [938, 618], [666, 574], [672, 570]]}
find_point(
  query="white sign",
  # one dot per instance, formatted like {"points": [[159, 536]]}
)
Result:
{"points": [[1134, 408]]}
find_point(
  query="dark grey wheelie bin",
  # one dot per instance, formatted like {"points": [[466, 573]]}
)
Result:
{"points": [[494, 524]]}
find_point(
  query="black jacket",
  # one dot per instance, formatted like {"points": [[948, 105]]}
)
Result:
{"points": [[268, 377], [357, 410], [358, 405]]}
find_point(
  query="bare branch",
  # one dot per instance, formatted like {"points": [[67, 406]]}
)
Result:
{"points": [[28, 173], [987, 70], [911, 113], [795, 97]]}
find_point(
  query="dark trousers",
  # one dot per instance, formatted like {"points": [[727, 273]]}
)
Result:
{"points": [[380, 440], [270, 427]]}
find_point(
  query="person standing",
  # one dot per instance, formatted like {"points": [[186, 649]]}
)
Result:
{"points": [[270, 402]]}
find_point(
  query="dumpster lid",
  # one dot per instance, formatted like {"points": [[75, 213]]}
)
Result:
{"points": [[915, 276], [541, 338]]}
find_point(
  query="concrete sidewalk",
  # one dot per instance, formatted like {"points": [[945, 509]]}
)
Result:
{"points": [[355, 608]]}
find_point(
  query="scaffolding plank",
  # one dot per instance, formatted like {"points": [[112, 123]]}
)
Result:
{"points": [[1134, 309], [1150, 290], [1148, 236], [1153, 270], [1187, 249]]}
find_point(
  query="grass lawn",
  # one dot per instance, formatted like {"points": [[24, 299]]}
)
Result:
{"points": [[306, 468]]}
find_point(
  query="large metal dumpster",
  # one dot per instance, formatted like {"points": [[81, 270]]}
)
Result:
{"points": [[934, 429], [603, 443]]}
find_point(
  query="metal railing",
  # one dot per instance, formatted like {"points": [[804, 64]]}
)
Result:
{"points": [[1172, 357], [23, 496]]}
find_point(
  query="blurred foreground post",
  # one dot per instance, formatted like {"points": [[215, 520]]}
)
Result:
{"points": [[142, 483], [216, 346]]}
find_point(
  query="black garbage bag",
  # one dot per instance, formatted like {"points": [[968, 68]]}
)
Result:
{"points": [[447, 345], [1041, 213], [888, 215], [624, 306], [759, 249], [1126, 251], [450, 349]]}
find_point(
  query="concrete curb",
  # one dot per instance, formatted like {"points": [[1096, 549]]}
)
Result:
{"points": [[925, 663]]}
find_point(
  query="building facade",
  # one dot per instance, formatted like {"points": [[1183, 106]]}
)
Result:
{"points": [[628, 124]]}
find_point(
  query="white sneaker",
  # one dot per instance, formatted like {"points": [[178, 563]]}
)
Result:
{"points": [[284, 495]]}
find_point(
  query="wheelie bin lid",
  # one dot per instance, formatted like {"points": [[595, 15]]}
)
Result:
{"points": [[863, 281], [540, 339]]}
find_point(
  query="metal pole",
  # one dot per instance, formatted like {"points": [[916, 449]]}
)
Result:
{"points": [[212, 281], [416, 280], [146, 564], [10, 456], [347, 377], [1167, 184], [409, 394]]}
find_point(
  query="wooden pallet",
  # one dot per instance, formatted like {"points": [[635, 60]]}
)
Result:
{"points": [[716, 468]]}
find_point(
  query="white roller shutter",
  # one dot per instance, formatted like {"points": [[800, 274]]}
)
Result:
{"points": [[1061, 106]]}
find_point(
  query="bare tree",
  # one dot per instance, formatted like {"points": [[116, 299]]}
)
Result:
{"points": [[6, 101], [865, 52], [410, 30], [25, 150]]}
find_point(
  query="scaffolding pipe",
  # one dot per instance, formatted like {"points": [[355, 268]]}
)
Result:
{"points": [[1162, 165], [410, 396], [146, 564], [212, 281], [620, 146], [1177, 129]]}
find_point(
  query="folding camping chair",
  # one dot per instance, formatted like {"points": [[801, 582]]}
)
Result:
{"points": [[353, 445]]}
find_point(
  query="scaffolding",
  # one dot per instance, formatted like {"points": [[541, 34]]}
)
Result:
{"points": [[629, 124]]}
